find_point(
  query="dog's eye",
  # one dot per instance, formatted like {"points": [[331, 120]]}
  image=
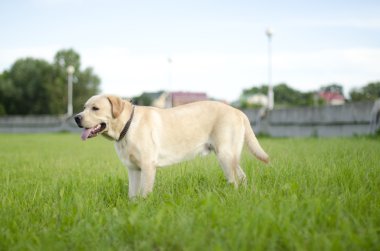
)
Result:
{"points": [[94, 108]]}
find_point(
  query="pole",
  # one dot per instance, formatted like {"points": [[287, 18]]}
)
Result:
{"points": [[170, 81], [170, 61], [270, 86], [70, 96], [70, 72]]}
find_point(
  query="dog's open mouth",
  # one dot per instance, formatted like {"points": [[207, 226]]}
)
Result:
{"points": [[93, 132]]}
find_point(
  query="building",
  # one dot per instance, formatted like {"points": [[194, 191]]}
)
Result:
{"points": [[258, 99], [163, 99], [181, 98], [332, 95]]}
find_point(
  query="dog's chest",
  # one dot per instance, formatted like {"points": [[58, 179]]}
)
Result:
{"points": [[123, 153]]}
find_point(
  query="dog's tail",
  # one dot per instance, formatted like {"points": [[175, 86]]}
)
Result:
{"points": [[252, 142]]}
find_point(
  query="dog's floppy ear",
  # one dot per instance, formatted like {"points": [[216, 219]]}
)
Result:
{"points": [[117, 105]]}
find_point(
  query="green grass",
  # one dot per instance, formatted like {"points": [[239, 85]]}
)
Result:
{"points": [[59, 193]]}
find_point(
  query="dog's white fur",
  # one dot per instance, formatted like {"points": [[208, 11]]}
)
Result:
{"points": [[160, 137]]}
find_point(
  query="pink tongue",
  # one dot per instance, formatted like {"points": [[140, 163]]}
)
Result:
{"points": [[85, 134]]}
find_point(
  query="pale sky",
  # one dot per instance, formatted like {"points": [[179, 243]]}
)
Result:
{"points": [[217, 47]]}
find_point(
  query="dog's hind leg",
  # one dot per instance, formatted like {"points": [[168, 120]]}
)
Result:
{"points": [[228, 149], [242, 178], [232, 170], [229, 165]]}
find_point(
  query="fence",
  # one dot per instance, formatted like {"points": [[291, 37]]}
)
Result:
{"points": [[345, 120], [37, 124]]}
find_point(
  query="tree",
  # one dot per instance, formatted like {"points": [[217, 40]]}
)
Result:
{"points": [[25, 87], [284, 96], [87, 85], [34, 86], [64, 58], [86, 82], [369, 92], [263, 89], [243, 100], [6, 91]]}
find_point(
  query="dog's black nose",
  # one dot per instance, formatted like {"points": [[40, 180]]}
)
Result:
{"points": [[78, 120]]}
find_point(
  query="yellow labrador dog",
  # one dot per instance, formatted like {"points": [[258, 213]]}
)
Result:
{"points": [[147, 138]]}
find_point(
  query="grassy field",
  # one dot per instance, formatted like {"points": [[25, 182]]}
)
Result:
{"points": [[59, 193]]}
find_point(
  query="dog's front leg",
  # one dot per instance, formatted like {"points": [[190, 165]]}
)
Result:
{"points": [[134, 176], [148, 174]]}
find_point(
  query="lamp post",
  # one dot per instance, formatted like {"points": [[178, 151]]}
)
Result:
{"points": [[269, 34], [170, 81], [70, 71], [170, 73]]}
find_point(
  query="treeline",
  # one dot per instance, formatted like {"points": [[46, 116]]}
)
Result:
{"points": [[369, 92], [286, 96], [35, 86]]}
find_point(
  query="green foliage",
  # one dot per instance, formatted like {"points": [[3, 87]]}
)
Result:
{"points": [[317, 194], [34, 86], [243, 100], [144, 99], [256, 90], [24, 89], [147, 98], [369, 92], [244, 104], [284, 96], [334, 87], [64, 58]]}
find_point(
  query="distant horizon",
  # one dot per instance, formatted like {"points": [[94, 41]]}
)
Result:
{"points": [[212, 97]]}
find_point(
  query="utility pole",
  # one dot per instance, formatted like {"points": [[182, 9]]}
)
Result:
{"points": [[269, 34], [70, 72]]}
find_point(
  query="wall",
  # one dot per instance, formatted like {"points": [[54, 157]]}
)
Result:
{"points": [[344, 120], [328, 121], [37, 124]]}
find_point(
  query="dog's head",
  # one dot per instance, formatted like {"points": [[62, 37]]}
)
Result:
{"points": [[103, 114]]}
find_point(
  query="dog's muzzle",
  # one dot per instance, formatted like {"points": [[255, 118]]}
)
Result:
{"points": [[78, 120]]}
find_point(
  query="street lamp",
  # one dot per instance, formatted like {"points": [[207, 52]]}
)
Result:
{"points": [[269, 34], [170, 81], [70, 71], [170, 73]]}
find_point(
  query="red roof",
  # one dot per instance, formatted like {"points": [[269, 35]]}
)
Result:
{"points": [[329, 96], [181, 98]]}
